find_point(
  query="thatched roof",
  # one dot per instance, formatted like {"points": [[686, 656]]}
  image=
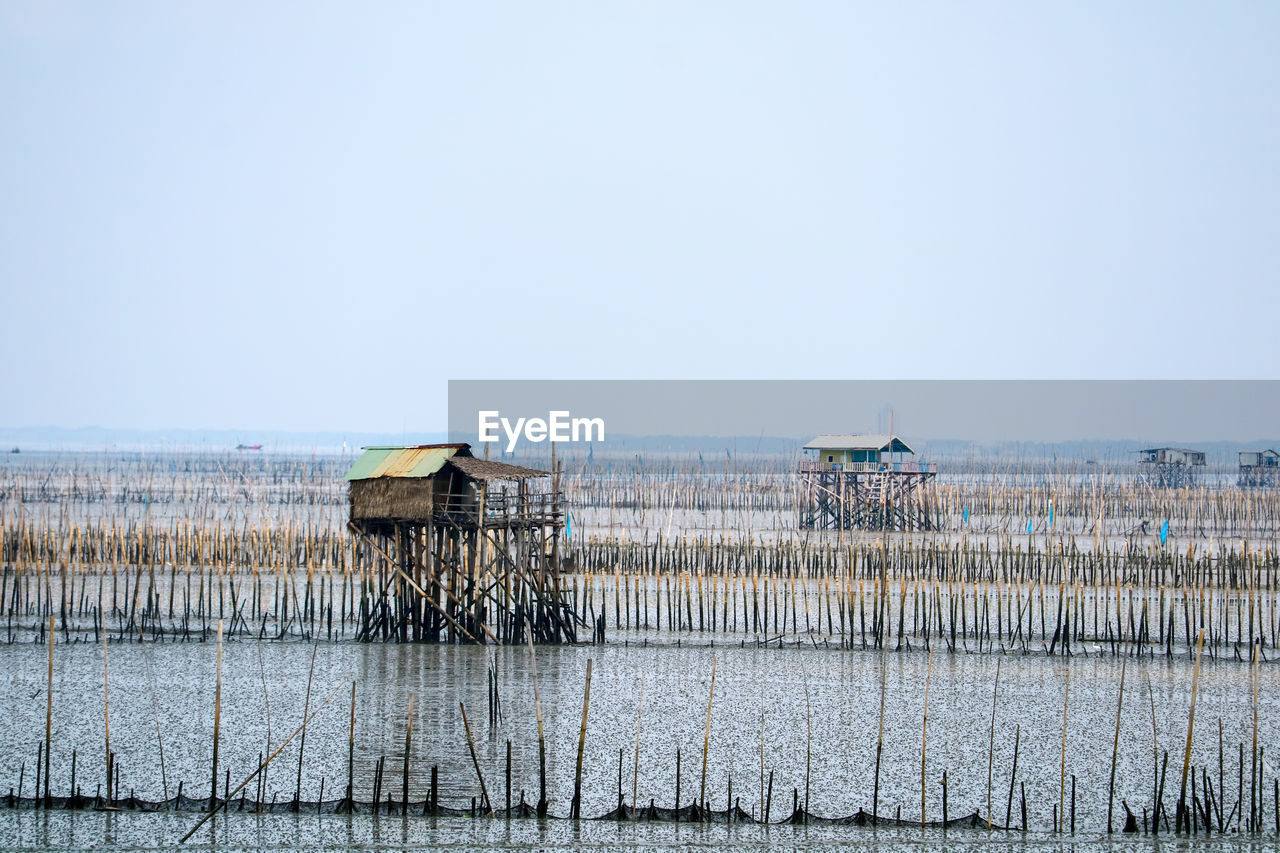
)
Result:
{"points": [[483, 469]]}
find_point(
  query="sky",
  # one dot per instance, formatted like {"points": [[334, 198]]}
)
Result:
{"points": [[311, 216]]}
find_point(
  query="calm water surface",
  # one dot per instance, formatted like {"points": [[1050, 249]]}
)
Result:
{"points": [[808, 716]]}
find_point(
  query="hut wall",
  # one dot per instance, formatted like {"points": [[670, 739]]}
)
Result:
{"points": [[391, 498]]}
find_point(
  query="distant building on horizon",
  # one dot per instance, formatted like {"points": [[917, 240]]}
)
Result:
{"points": [[1169, 467], [1259, 469]]}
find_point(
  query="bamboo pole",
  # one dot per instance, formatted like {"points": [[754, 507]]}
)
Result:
{"points": [[635, 776], [217, 720], [48, 716], [302, 743], [351, 750], [542, 740], [582, 742], [1062, 778], [924, 733], [1115, 744], [875, 796], [991, 742], [1191, 720], [106, 714], [475, 761], [408, 750], [706, 740]]}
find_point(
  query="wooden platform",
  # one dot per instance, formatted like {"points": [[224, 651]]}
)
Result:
{"points": [[865, 496]]}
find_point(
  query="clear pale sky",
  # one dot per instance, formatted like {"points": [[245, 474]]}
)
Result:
{"points": [[310, 216]]}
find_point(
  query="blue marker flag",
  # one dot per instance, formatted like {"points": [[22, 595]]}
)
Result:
{"points": [[1164, 531], [966, 515], [1051, 515], [1028, 525]]}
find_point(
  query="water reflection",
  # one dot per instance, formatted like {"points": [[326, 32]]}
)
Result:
{"points": [[761, 724]]}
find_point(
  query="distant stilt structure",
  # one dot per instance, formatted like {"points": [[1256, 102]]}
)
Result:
{"points": [[1259, 469], [1169, 467], [854, 481], [464, 549]]}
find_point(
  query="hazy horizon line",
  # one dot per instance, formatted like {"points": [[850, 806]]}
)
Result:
{"points": [[54, 434]]}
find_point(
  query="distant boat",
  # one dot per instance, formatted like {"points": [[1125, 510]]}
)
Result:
{"points": [[238, 447], [15, 450]]}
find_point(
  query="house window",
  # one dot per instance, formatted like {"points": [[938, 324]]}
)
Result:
{"points": [[831, 459]]}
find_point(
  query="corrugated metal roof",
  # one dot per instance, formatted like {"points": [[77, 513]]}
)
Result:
{"points": [[371, 458], [420, 461], [858, 441]]}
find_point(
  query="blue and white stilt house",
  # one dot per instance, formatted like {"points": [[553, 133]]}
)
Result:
{"points": [[864, 481]]}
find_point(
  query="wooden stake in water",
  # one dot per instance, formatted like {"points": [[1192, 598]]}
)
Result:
{"points": [[484, 791], [48, 718], [808, 741], [1062, 779], [408, 749], [302, 744], [1115, 745], [635, 777], [542, 740], [1191, 721], [1013, 774], [1255, 802], [762, 753], [875, 796], [991, 743], [155, 716], [263, 779], [706, 739], [677, 808], [924, 731], [1155, 762], [351, 750], [582, 743], [217, 719], [106, 712]]}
